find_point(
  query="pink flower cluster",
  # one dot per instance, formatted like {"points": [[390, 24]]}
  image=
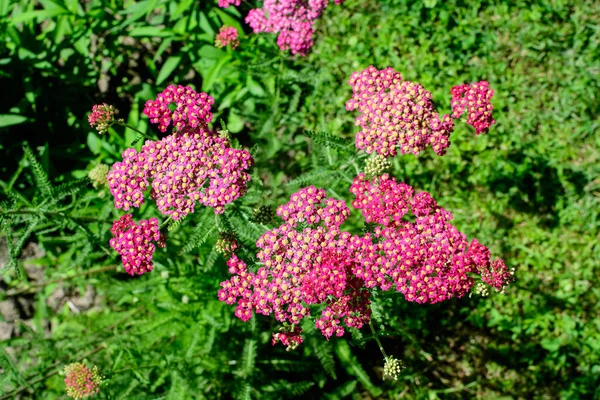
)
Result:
{"points": [[291, 337], [308, 261], [192, 108], [477, 98], [81, 381], [192, 165], [134, 243], [101, 117], [227, 3], [427, 260], [398, 114], [294, 20], [227, 35]]}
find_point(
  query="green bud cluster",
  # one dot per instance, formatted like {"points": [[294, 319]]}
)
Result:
{"points": [[392, 368], [376, 165], [98, 175], [263, 215], [480, 289], [226, 243]]}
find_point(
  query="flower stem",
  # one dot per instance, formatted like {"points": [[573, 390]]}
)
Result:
{"points": [[377, 339], [165, 222], [144, 135]]}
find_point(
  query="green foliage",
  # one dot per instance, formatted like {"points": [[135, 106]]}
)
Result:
{"points": [[529, 188]]}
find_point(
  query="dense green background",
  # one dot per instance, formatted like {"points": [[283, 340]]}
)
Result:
{"points": [[530, 189]]}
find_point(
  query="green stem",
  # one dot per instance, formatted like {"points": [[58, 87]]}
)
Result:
{"points": [[144, 135], [165, 222], [377, 339]]}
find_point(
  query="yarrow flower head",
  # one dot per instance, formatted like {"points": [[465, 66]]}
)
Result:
{"points": [[81, 381], [102, 117], [227, 36], [193, 165], [98, 175], [427, 260], [477, 98], [135, 243], [308, 261], [294, 20], [396, 114], [192, 108], [305, 261]]}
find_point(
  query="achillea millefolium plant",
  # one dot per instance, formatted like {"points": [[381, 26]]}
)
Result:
{"points": [[307, 266]]}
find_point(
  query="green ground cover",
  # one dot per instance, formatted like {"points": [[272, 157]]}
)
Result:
{"points": [[530, 189]]}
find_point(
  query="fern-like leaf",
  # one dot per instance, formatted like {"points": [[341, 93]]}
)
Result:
{"points": [[40, 176], [68, 188], [329, 140], [248, 360], [203, 230], [324, 353], [311, 178]]}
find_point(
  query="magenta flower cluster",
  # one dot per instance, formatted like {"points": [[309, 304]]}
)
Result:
{"points": [[227, 3], [293, 20], [227, 36], [428, 260], [477, 98], [192, 108], [101, 117], [398, 115], [134, 243], [307, 261], [192, 165], [82, 382]]}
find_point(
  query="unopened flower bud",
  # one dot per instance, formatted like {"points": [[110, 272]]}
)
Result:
{"points": [[376, 165], [263, 214], [227, 243], [98, 175], [480, 289], [392, 368]]}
